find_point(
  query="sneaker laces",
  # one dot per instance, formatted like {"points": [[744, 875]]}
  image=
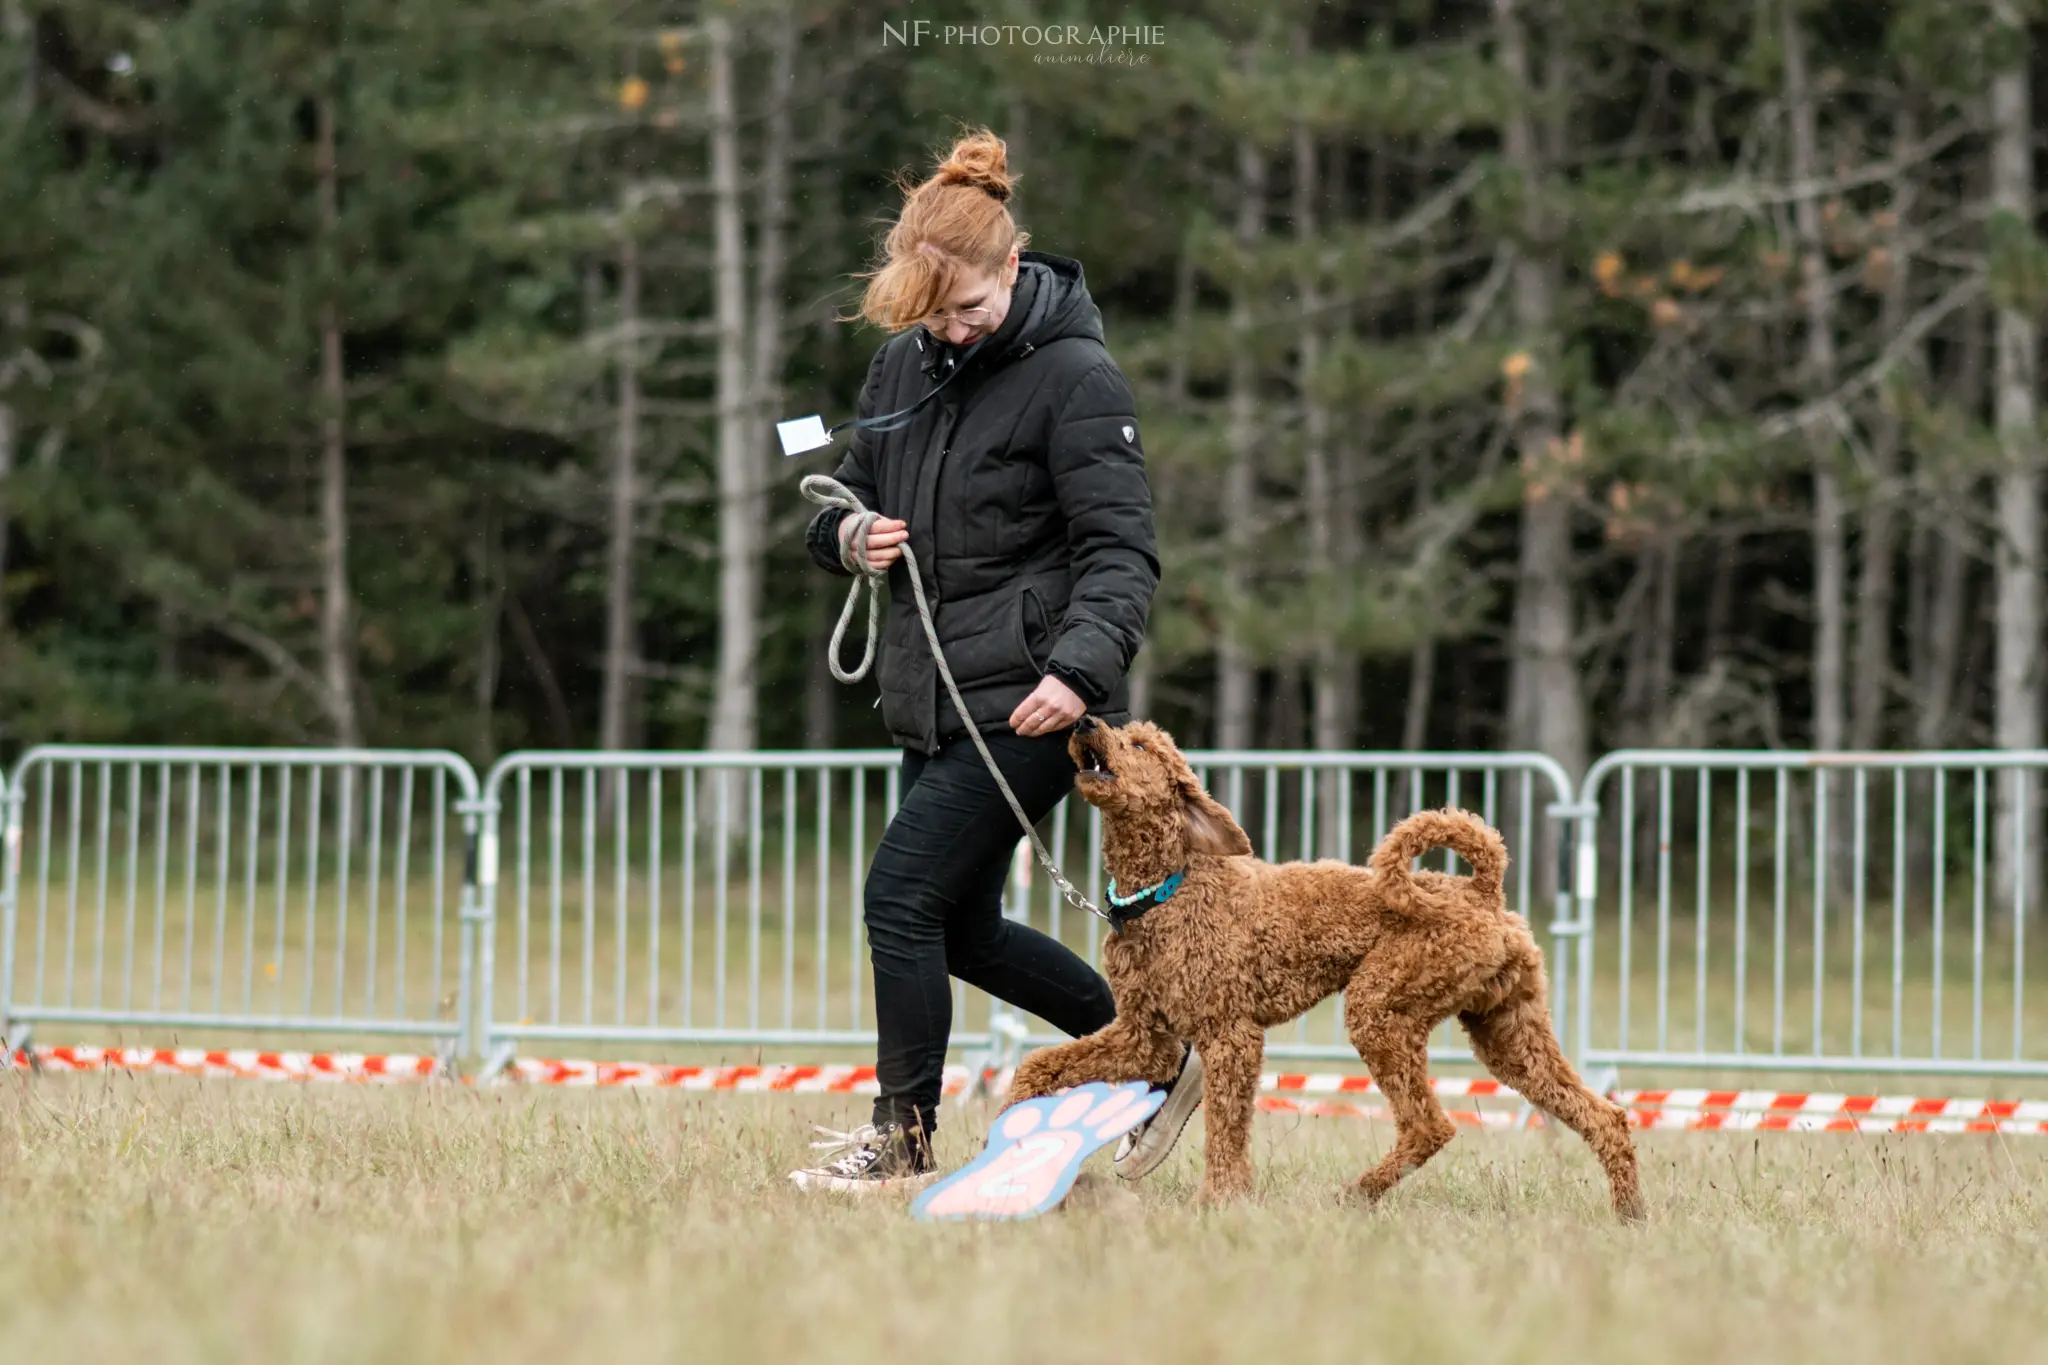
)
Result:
{"points": [[854, 1151], [867, 1135]]}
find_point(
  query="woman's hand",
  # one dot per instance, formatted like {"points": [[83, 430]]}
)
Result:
{"points": [[1052, 706], [885, 540]]}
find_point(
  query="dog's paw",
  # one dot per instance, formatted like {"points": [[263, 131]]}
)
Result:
{"points": [[1035, 1151]]}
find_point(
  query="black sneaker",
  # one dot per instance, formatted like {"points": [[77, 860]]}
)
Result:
{"points": [[874, 1158]]}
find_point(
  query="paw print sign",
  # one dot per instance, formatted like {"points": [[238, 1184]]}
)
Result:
{"points": [[1035, 1151]]}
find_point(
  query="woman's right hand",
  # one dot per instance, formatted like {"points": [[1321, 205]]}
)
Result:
{"points": [[885, 540]]}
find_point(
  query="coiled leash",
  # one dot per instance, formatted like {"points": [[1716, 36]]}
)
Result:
{"points": [[829, 492]]}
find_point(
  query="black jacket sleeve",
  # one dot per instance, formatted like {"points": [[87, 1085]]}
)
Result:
{"points": [[1098, 475], [856, 471]]}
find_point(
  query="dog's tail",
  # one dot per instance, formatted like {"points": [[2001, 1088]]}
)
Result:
{"points": [[1464, 833]]}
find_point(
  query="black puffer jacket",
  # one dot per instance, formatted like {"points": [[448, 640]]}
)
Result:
{"points": [[1023, 485]]}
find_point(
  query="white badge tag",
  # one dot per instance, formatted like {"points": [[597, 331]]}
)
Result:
{"points": [[801, 434]]}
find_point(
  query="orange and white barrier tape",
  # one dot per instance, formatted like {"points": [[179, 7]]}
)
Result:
{"points": [[1331, 1083], [1750, 1121], [1338, 1109], [1903, 1108], [1672, 1110], [745, 1080], [238, 1064]]}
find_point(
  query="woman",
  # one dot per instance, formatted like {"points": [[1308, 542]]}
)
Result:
{"points": [[1021, 486]]}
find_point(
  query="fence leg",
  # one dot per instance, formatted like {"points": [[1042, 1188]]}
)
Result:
{"points": [[496, 1062], [18, 1036]]}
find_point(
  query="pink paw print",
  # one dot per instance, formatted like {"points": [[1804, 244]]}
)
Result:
{"points": [[1035, 1151]]}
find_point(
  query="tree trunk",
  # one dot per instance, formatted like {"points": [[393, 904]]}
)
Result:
{"points": [[2017, 696], [1335, 669], [821, 699], [1234, 670], [1830, 559], [1720, 599], [1421, 659], [1876, 573], [1145, 667], [1942, 649], [621, 626], [19, 31], [7, 440], [490, 630], [741, 513], [1546, 707], [337, 613]]}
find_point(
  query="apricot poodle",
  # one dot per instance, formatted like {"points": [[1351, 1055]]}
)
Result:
{"points": [[1224, 946]]}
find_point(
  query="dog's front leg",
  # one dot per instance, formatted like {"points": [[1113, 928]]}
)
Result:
{"points": [[1230, 1070], [1122, 1050]]}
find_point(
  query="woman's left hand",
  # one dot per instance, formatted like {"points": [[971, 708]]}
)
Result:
{"points": [[1052, 706]]}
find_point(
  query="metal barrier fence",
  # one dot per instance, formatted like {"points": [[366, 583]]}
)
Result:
{"points": [[1809, 912], [716, 898], [299, 890], [1712, 911]]}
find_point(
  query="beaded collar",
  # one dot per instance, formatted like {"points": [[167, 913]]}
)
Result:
{"points": [[1124, 909]]}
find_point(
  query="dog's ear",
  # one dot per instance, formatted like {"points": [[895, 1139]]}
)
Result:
{"points": [[1210, 828]]}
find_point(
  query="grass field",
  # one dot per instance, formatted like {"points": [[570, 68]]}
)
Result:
{"points": [[174, 1220]]}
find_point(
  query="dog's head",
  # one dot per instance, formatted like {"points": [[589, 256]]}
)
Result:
{"points": [[1135, 775]]}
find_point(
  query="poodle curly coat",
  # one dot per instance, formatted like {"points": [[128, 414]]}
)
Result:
{"points": [[1242, 945]]}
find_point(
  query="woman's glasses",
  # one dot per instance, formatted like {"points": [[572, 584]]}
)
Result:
{"points": [[973, 317]]}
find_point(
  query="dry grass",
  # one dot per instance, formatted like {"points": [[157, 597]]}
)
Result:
{"points": [[176, 1220]]}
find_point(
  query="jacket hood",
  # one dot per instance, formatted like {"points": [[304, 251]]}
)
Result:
{"points": [[1050, 302]]}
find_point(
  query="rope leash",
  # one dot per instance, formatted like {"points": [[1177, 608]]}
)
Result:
{"points": [[829, 492]]}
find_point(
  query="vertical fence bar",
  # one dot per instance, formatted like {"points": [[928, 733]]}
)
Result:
{"points": [[789, 898], [1628, 896], [621, 897], [43, 887], [71, 880], [824, 892], [721, 834], [222, 876], [2023, 803], [104, 837], [134, 857], [313, 804], [1940, 896], [1977, 918], [403, 889], [249, 887], [857, 836], [1741, 907], [375, 774], [192, 818], [440, 832], [1784, 822], [1663, 905], [284, 872], [1857, 849], [653, 898], [522, 1007], [753, 898], [589, 916], [1821, 851], [1703, 854], [689, 894], [1898, 911], [345, 837], [556, 831]]}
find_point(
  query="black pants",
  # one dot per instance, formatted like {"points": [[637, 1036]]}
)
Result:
{"points": [[934, 910]]}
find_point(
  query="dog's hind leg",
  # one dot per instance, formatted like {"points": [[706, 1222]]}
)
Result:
{"points": [[1515, 1042], [1230, 1095], [1395, 1046]]}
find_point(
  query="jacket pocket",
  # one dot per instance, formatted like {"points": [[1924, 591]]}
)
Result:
{"points": [[1034, 628]]}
